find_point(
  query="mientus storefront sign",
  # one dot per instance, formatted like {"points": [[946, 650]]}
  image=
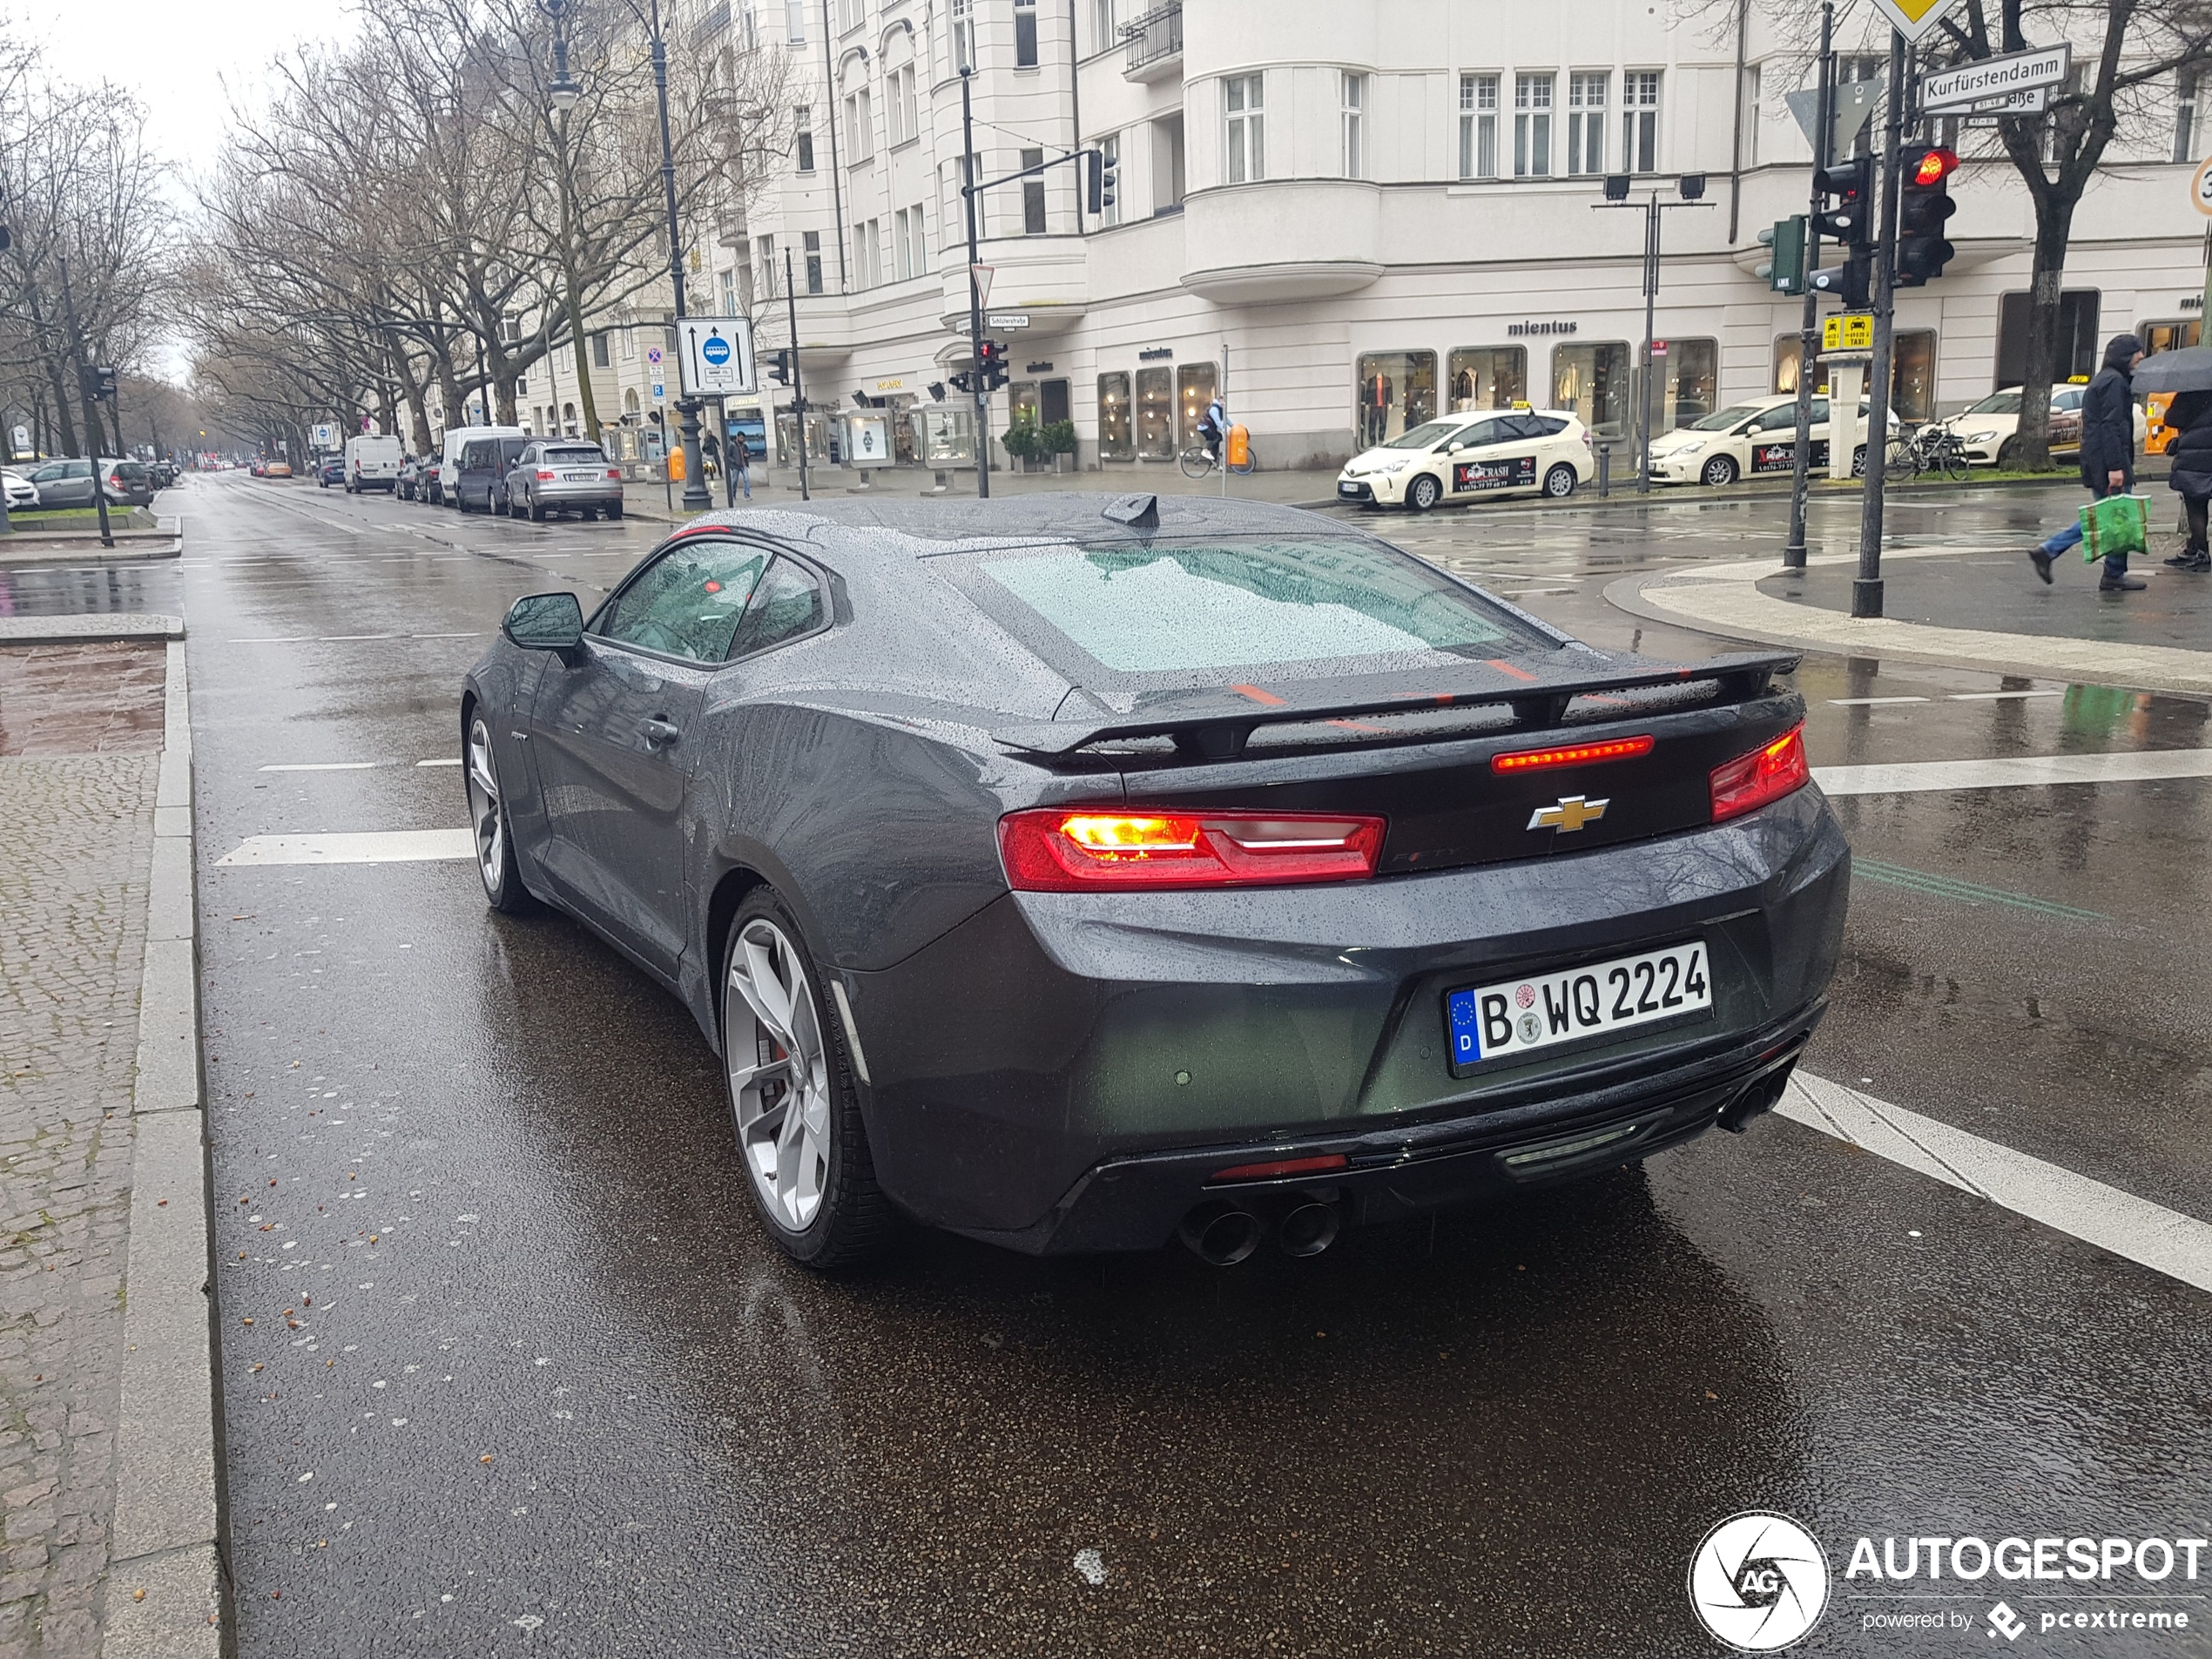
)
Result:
{"points": [[1515, 330]]}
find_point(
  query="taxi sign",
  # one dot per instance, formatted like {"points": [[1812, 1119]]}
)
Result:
{"points": [[1848, 331]]}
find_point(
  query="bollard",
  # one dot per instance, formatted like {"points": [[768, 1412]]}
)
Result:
{"points": [[1604, 471]]}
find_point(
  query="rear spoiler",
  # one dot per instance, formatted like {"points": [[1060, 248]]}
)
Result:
{"points": [[1214, 723]]}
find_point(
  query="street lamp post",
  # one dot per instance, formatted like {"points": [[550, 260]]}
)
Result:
{"points": [[970, 187], [1692, 188]]}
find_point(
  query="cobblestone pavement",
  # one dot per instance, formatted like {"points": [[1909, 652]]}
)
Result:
{"points": [[77, 833], [94, 698]]}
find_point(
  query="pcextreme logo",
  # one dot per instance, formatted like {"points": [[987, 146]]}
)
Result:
{"points": [[1759, 1582]]}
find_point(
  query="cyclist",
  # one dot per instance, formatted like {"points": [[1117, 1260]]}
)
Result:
{"points": [[1211, 427]]}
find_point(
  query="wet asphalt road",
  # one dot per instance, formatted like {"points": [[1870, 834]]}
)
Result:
{"points": [[522, 1376]]}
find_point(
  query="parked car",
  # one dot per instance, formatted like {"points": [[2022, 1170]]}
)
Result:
{"points": [[276, 469], [330, 469], [450, 446], [1748, 439], [480, 485], [432, 489], [129, 483], [410, 476], [372, 461], [22, 495], [1468, 457], [554, 475], [69, 483], [1990, 429], [1260, 879]]}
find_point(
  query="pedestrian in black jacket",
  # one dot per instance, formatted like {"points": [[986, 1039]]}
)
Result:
{"points": [[2190, 416], [2107, 456]]}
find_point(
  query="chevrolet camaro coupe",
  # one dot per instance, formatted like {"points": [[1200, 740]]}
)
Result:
{"points": [[1079, 872]]}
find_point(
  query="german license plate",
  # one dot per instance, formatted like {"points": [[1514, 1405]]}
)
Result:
{"points": [[1518, 1017], [578, 478], [1348, 490]]}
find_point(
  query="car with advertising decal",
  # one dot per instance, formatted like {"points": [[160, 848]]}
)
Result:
{"points": [[1749, 440], [1081, 873], [1472, 456], [1989, 428]]}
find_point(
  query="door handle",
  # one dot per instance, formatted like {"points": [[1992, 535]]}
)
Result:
{"points": [[660, 732]]}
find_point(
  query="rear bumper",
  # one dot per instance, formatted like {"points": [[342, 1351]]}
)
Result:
{"points": [[598, 494], [1061, 1071]]}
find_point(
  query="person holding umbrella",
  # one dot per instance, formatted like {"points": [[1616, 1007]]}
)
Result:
{"points": [[2108, 457], [2187, 375]]}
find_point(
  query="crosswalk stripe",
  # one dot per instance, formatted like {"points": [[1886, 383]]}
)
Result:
{"points": [[372, 846], [2015, 771]]}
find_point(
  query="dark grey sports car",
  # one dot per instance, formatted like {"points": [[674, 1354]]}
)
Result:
{"points": [[1079, 871]]}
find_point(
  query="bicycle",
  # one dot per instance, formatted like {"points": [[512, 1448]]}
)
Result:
{"points": [[1932, 448], [1199, 462]]}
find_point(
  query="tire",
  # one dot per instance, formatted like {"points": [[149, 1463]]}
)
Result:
{"points": [[615, 511], [1194, 462], [1719, 470], [496, 865], [536, 511], [1423, 493], [792, 1106], [1859, 461], [1560, 482], [1955, 467]]}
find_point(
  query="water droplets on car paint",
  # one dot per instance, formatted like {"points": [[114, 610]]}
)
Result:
{"points": [[1090, 1564]]}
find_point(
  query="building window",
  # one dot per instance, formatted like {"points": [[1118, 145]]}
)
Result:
{"points": [[1117, 435], [1912, 363], [602, 351], [1478, 126], [769, 276], [1640, 121], [1532, 126], [1586, 120], [813, 247], [1593, 380], [1689, 373], [960, 203], [803, 137], [1167, 168], [1244, 100], [729, 293], [795, 22], [1156, 414], [2168, 336], [1395, 390], [963, 34], [1486, 377], [867, 270], [902, 253], [629, 345], [2188, 92], [1353, 91], [1754, 114], [1025, 34], [904, 114], [1109, 158], [1033, 195], [1194, 390], [860, 126], [2079, 350], [1101, 36]]}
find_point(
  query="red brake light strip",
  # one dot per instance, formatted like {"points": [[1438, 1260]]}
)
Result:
{"points": [[1572, 754]]}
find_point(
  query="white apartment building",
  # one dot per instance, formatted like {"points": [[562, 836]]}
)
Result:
{"points": [[1347, 219]]}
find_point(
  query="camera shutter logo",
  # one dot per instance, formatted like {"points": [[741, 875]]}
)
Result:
{"points": [[1759, 1582]]}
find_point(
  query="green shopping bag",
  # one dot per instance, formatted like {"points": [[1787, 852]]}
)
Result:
{"points": [[2115, 524]]}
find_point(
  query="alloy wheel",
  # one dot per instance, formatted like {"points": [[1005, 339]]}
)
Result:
{"points": [[485, 816], [779, 1074]]}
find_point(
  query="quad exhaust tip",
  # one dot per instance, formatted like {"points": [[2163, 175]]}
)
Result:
{"points": [[1309, 1228], [1223, 1234]]}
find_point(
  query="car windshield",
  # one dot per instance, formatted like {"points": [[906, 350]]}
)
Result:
{"points": [[1428, 433], [1174, 607], [1722, 420], [1998, 403]]}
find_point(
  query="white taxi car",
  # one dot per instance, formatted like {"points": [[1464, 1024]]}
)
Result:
{"points": [[1502, 452], [1747, 440], [1989, 429]]}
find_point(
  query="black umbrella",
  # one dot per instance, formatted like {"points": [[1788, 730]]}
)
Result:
{"points": [[2186, 370]]}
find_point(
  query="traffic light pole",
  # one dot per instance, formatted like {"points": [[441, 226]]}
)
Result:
{"points": [[967, 190], [1866, 590], [1793, 550], [798, 397]]}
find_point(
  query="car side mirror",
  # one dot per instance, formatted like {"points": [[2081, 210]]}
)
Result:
{"points": [[545, 622]]}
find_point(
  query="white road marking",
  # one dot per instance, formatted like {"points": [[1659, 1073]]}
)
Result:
{"points": [[273, 639], [1871, 701], [2164, 1240], [441, 760], [326, 765], [373, 846], [1998, 697], [465, 636], [347, 638], [2017, 772]]}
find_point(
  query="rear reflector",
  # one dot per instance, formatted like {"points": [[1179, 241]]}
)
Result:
{"points": [[1277, 1171], [1751, 781], [1573, 754], [1059, 850]]}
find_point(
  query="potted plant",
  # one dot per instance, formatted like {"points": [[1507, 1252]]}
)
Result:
{"points": [[1021, 440], [1058, 440]]}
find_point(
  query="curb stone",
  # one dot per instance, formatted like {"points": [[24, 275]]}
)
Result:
{"points": [[95, 629], [164, 1538]]}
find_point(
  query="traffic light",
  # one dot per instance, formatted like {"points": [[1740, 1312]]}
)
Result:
{"points": [[964, 382], [1923, 205], [1853, 281], [104, 384], [1785, 271], [990, 362], [1850, 220], [779, 368], [1098, 182]]}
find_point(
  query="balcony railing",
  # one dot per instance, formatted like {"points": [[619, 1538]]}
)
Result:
{"points": [[1154, 38], [710, 23]]}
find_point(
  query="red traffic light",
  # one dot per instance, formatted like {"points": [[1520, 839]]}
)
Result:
{"points": [[1935, 166]]}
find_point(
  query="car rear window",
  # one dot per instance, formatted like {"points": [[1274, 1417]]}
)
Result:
{"points": [[573, 456], [1176, 607]]}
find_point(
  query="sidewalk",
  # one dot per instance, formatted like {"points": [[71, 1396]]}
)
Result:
{"points": [[107, 1474], [837, 484]]}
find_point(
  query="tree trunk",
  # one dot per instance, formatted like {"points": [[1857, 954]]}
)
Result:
{"points": [[588, 405], [449, 390], [2053, 226], [60, 385]]}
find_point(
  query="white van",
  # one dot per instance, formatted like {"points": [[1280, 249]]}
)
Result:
{"points": [[456, 439], [372, 464]]}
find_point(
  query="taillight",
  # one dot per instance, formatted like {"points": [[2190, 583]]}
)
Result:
{"points": [[544, 477], [1766, 774], [1571, 755], [614, 472], [1058, 849]]}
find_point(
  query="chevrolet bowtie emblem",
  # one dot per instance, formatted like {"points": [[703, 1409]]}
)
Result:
{"points": [[1572, 812]]}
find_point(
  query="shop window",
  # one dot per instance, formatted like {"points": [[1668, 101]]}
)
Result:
{"points": [[1689, 377], [1786, 350], [1054, 402], [2079, 352], [1395, 390], [1194, 389], [1117, 435], [1486, 377], [1912, 365], [1593, 380], [2168, 336], [1155, 414]]}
